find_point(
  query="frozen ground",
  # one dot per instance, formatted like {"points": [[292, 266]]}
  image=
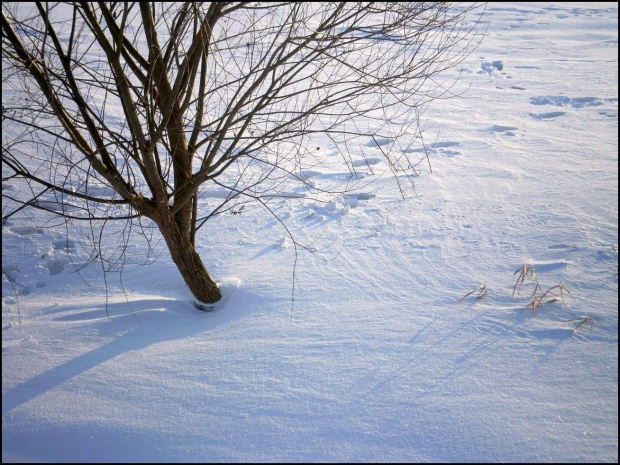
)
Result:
{"points": [[380, 359]]}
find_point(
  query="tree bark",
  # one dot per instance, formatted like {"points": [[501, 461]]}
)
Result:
{"points": [[188, 261]]}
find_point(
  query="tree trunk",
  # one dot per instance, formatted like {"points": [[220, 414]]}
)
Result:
{"points": [[188, 262]]}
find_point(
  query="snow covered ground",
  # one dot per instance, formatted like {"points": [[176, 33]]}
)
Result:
{"points": [[380, 359]]}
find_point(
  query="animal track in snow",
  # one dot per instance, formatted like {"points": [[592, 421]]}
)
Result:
{"points": [[379, 142], [218, 193], [563, 100], [366, 162], [54, 267], [307, 174], [440, 148], [488, 66], [63, 244], [338, 207], [11, 272]]}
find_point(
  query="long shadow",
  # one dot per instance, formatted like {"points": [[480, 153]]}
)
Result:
{"points": [[479, 343], [184, 320], [264, 251]]}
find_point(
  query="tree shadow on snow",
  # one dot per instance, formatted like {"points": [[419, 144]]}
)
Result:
{"points": [[161, 320]]}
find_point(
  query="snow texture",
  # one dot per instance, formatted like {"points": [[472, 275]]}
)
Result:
{"points": [[380, 358]]}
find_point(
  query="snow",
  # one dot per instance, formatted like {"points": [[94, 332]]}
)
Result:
{"points": [[379, 358]]}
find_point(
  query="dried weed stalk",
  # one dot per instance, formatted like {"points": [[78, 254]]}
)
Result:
{"points": [[481, 290], [557, 292], [527, 271], [553, 293], [535, 302]]}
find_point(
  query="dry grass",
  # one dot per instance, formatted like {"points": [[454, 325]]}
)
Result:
{"points": [[526, 271], [552, 294], [557, 292], [538, 297], [481, 290], [535, 302]]}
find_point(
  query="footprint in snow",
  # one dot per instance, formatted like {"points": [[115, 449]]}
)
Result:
{"points": [[366, 162], [54, 267], [576, 102], [26, 230], [441, 148], [63, 244], [489, 66], [379, 142]]}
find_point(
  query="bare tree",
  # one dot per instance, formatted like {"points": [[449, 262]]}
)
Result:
{"points": [[126, 111]]}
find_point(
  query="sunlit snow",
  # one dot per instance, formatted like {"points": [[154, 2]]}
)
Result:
{"points": [[379, 357]]}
